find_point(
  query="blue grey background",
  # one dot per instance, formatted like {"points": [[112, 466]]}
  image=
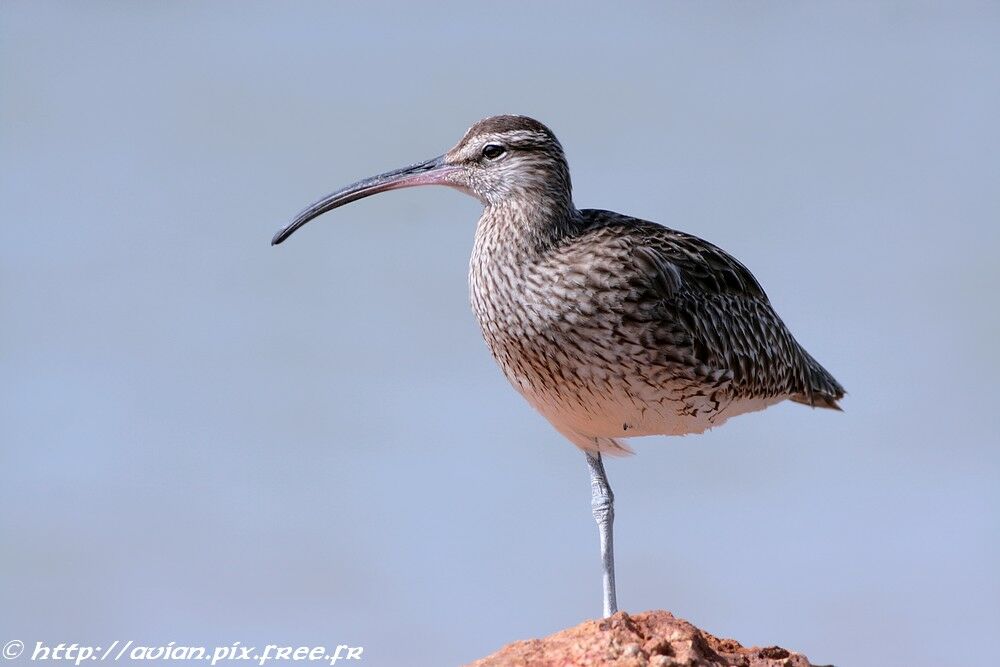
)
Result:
{"points": [[206, 439]]}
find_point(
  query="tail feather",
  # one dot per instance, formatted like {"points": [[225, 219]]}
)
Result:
{"points": [[821, 390], [818, 401]]}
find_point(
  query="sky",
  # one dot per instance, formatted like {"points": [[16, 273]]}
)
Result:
{"points": [[205, 439]]}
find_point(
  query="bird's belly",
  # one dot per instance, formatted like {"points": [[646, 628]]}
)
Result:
{"points": [[623, 416], [595, 393], [630, 410], [616, 409], [591, 391]]}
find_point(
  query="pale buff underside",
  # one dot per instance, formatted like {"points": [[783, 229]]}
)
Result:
{"points": [[596, 415]]}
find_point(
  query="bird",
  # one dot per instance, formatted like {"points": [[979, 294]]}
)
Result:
{"points": [[610, 326]]}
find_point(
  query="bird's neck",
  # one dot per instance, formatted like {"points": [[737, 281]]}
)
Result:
{"points": [[520, 230]]}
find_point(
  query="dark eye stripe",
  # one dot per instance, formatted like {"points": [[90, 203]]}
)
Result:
{"points": [[493, 151]]}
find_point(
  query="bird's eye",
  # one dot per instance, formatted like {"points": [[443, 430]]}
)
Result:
{"points": [[493, 151]]}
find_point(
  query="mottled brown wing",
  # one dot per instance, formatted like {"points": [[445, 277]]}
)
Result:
{"points": [[712, 313]]}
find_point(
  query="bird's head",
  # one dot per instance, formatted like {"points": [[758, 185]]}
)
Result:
{"points": [[501, 160]]}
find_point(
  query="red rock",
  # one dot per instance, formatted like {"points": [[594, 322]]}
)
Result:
{"points": [[649, 639]]}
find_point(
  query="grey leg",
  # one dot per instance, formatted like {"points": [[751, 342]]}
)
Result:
{"points": [[603, 503]]}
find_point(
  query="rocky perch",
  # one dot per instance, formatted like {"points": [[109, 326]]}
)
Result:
{"points": [[649, 639]]}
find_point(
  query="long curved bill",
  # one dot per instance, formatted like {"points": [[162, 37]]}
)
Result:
{"points": [[431, 172]]}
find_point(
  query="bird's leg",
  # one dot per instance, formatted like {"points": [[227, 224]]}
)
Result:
{"points": [[602, 502]]}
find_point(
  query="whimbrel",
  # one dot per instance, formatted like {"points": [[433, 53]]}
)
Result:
{"points": [[610, 326]]}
